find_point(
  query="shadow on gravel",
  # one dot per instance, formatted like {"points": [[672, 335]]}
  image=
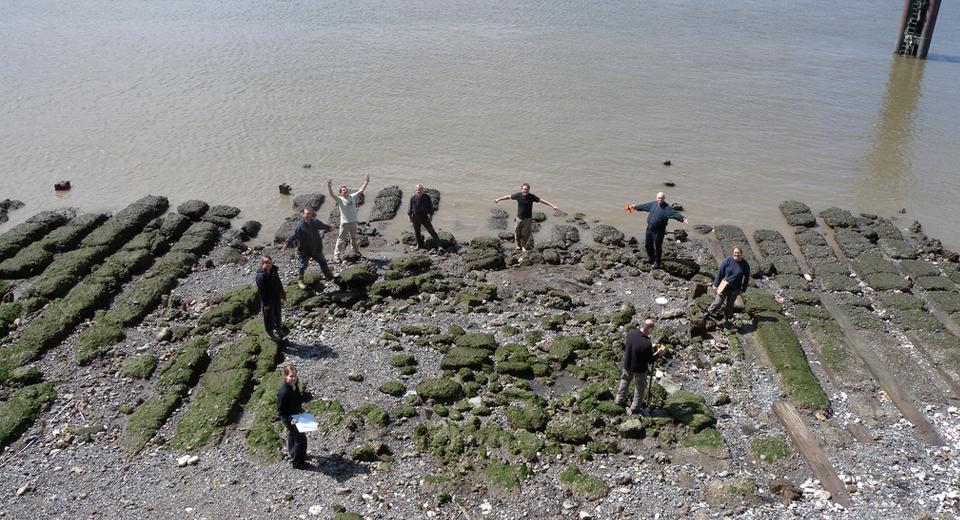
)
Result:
{"points": [[308, 351], [336, 467]]}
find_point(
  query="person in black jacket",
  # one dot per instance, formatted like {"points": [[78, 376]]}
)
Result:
{"points": [[421, 214], [659, 215], [637, 356], [307, 235], [735, 271], [270, 290], [290, 403]]}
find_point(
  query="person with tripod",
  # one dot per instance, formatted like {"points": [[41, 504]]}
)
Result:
{"points": [[638, 356]]}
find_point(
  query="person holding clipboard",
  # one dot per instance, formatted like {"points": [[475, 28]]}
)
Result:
{"points": [[731, 281], [289, 405]]}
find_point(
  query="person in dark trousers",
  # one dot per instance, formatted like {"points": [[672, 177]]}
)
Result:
{"points": [[637, 356], [659, 214], [290, 403], [270, 290], [524, 219], [421, 214], [731, 281], [307, 235]]}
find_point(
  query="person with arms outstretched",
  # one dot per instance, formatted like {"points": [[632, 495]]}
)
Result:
{"points": [[524, 219], [659, 215]]}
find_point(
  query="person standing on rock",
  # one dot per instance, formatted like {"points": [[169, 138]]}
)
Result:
{"points": [[637, 356], [659, 215], [308, 237], [347, 203], [524, 219], [421, 214], [270, 290], [290, 403], [731, 281]]}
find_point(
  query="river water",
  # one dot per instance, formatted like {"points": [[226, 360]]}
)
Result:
{"points": [[753, 102]]}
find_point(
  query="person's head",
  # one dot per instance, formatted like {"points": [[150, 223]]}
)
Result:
{"points": [[419, 189], [737, 254], [525, 188], [289, 373], [344, 191], [266, 262], [661, 198], [307, 213], [647, 326]]}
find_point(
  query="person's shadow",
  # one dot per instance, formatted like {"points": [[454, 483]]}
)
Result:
{"points": [[307, 351], [336, 467]]}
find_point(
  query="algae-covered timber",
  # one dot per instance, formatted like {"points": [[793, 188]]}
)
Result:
{"points": [[784, 350]]}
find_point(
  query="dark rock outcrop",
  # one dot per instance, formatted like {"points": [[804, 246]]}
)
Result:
{"points": [[309, 200], [386, 204], [193, 209]]}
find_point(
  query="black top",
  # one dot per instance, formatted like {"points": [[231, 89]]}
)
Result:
{"points": [[307, 236], [289, 402], [638, 352], [269, 286], [525, 204], [420, 206], [659, 215], [737, 274]]}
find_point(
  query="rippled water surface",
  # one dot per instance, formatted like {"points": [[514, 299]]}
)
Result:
{"points": [[753, 102]]}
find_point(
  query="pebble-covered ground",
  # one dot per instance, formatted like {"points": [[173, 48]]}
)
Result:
{"points": [[411, 456]]}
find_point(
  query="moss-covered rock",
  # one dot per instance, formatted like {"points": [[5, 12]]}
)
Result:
{"points": [[464, 357], [581, 484], [888, 282], [264, 438], [707, 440], [420, 329], [620, 317], [770, 448], [374, 416], [140, 366], [95, 340], [530, 418], [403, 360], [935, 283], [357, 277], [442, 390], [563, 348], [408, 266], [147, 420], [568, 429], [394, 388], [680, 267], [689, 409], [444, 440], [235, 306], [505, 476], [21, 409], [477, 340], [185, 368]]}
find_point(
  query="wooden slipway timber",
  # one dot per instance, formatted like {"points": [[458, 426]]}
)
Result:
{"points": [[803, 439], [897, 394]]}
